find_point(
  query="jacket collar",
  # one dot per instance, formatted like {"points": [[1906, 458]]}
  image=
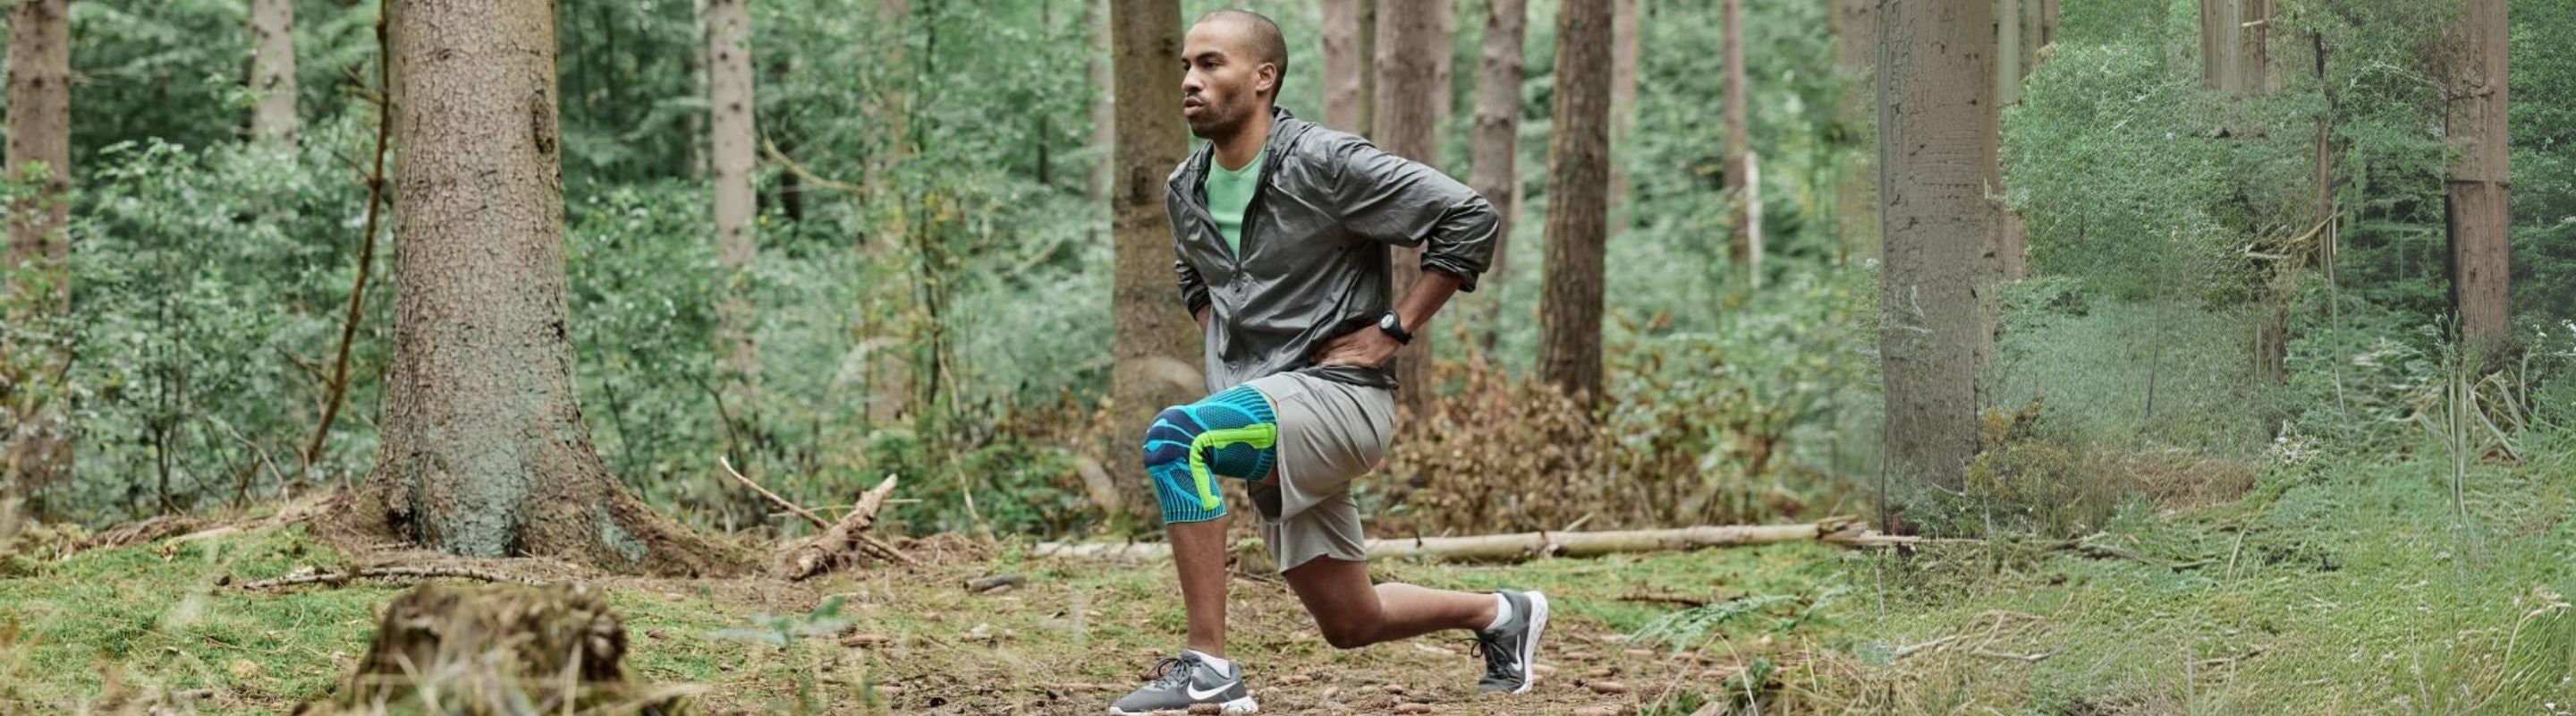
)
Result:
{"points": [[1284, 128]]}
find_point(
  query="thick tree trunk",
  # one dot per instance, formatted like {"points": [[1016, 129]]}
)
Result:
{"points": [[35, 280], [1624, 39], [1569, 345], [485, 453], [1156, 348], [1855, 27], [1739, 244], [2474, 85], [1409, 46], [1936, 113], [729, 97], [272, 71], [1350, 41], [2236, 56], [1494, 141]]}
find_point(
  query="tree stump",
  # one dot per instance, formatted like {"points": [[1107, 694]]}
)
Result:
{"points": [[496, 649]]}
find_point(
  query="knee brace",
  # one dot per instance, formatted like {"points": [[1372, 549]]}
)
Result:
{"points": [[1232, 433]]}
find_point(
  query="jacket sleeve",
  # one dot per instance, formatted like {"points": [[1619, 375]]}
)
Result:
{"points": [[1386, 198]]}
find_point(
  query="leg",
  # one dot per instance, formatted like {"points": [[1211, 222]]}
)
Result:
{"points": [[1198, 548], [1353, 614]]}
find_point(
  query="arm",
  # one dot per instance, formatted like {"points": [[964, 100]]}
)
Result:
{"points": [[1397, 201]]}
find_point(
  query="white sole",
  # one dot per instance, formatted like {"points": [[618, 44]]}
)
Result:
{"points": [[1243, 705], [1529, 647]]}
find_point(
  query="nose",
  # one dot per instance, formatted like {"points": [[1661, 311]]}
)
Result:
{"points": [[1190, 83]]}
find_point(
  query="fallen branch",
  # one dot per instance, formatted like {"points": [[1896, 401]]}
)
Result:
{"points": [[989, 583], [773, 497], [824, 552], [1906, 651], [1505, 547], [319, 576]]}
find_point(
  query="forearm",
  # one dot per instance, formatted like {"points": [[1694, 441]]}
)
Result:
{"points": [[1424, 299], [1202, 317]]}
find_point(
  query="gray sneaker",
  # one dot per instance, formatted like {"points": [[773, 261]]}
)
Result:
{"points": [[1187, 680], [1510, 649]]}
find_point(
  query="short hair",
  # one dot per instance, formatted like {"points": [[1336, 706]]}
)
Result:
{"points": [[1265, 40]]}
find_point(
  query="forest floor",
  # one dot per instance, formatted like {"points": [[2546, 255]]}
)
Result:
{"points": [[2339, 587]]}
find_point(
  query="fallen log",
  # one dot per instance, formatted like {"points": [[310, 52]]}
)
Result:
{"points": [[835, 546], [1839, 532]]}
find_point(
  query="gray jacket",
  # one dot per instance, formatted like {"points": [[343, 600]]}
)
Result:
{"points": [[1315, 263]]}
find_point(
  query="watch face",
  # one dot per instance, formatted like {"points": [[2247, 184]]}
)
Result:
{"points": [[1386, 321]]}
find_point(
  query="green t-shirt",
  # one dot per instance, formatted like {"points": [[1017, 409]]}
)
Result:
{"points": [[1229, 192]]}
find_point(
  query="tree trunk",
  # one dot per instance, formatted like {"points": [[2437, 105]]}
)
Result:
{"points": [[1855, 27], [1739, 244], [1409, 45], [1350, 39], [1494, 146], [2474, 86], [35, 281], [1624, 39], [272, 71], [2254, 47], [485, 453], [2218, 45], [2011, 251], [1569, 346], [1104, 109], [1936, 113], [730, 98], [1156, 350]]}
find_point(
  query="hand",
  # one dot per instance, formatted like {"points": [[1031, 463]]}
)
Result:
{"points": [[1366, 347]]}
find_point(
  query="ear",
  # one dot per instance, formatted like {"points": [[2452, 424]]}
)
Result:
{"points": [[1266, 79]]}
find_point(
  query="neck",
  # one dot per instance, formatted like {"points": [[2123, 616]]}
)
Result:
{"points": [[1236, 151]]}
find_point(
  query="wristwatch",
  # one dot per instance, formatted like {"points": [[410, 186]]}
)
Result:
{"points": [[1394, 327]]}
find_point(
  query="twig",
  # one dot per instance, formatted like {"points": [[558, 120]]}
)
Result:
{"points": [[313, 576], [802, 173], [773, 497], [366, 257], [1906, 651], [1665, 598], [2034, 658], [993, 582]]}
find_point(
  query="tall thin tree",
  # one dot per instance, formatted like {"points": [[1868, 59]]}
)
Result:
{"points": [[1936, 64], [2474, 87], [1409, 43], [1156, 345], [730, 99], [1740, 246], [1350, 42], [35, 280], [484, 452], [1855, 27], [272, 71], [1625, 39], [1494, 141], [1569, 346]]}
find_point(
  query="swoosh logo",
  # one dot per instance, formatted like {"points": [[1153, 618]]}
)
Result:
{"points": [[1196, 694]]}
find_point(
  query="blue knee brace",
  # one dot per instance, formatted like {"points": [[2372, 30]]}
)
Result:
{"points": [[1232, 433]]}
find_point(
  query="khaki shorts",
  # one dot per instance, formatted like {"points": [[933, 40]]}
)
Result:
{"points": [[1329, 434]]}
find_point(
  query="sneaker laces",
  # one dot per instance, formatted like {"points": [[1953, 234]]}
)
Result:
{"points": [[1168, 671], [1498, 656]]}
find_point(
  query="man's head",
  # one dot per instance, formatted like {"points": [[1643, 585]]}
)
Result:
{"points": [[1234, 61]]}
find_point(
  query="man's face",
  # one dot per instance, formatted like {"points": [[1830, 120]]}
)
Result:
{"points": [[1225, 80]]}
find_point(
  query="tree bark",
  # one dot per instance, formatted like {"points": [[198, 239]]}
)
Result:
{"points": [[1494, 142], [1855, 27], [1104, 109], [35, 280], [1156, 350], [1350, 41], [1936, 111], [1624, 39], [2236, 56], [272, 71], [1409, 45], [485, 453], [1739, 244], [2011, 250], [730, 98], [1569, 347], [2475, 89]]}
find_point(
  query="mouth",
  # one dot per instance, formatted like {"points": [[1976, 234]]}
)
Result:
{"points": [[1192, 105]]}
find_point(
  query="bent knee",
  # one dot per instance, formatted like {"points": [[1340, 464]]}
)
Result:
{"points": [[1347, 634]]}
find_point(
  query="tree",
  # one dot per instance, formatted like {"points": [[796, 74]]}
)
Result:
{"points": [[1409, 45], [1494, 141], [485, 453], [2236, 57], [1935, 110], [1104, 108], [1855, 27], [1155, 352], [272, 70], [1740, 248], [729, 98], [1624, 40], [1578, 159], [2475, 94], [1350, 41], [36, 275]]}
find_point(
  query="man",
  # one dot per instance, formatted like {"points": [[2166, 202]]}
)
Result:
{"points": [[1282, 230]]}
